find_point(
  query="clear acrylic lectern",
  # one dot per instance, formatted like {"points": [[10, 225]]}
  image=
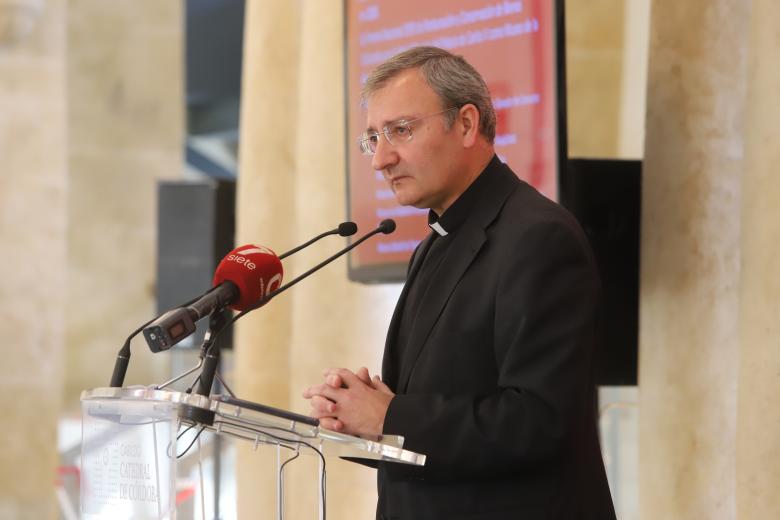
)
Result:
{"points": [[129, 446]]}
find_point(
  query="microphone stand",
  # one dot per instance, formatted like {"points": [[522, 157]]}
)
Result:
{"points": [[210, 351], [209, 354]]}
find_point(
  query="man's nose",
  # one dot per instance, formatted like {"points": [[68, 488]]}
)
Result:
{"points": [[385, 156]]}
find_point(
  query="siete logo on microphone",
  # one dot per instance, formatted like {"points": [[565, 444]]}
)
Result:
{"points": [[273, 284], [242, 260]]}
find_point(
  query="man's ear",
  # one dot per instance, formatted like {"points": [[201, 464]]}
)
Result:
{"points": [[469, 124]]}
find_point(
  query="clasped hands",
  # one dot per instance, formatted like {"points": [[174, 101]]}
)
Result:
{"points": [[350, 402]]}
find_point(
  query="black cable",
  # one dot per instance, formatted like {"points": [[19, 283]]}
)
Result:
{"points": [[178, 436], [281, 475], [193, 440], [281, 468], [192, 386]]}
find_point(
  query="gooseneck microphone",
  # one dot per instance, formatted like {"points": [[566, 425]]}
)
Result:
{"points": [[211, 353], [386, 227], [225, 294], [243, 278], [212, 356], [345, 229]]}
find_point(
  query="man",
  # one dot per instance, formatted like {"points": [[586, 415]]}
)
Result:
{"points": [[487, 367]]}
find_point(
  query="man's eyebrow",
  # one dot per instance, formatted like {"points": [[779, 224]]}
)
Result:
{"points": [[395, 120]]}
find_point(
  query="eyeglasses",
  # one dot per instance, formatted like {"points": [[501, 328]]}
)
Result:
{"points": [[397, 132]]}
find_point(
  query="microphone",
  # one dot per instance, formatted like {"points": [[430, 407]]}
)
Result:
{"points": [[386, 227], [211, 359], [345, 229], [245, 276]]}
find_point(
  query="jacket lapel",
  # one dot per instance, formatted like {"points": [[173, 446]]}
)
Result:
{"points": [[460, 254], [389, 371]]}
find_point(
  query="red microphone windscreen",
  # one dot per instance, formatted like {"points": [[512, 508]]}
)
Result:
{"points": [[256, 271]]}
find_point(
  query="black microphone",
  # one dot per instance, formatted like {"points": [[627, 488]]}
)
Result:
{"points": [[345, 229], [386, 227], [234, 285], [206, 377], [211, 348]]}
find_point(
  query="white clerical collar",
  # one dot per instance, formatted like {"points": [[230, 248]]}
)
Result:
{"points": [[437, 227]]}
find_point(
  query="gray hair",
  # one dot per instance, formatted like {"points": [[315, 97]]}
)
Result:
{"points": [[453, 79]]}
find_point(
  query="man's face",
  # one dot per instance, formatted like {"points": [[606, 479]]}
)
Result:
{"points": [[423, 172]]}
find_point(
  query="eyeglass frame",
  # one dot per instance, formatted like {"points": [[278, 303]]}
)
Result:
{"points": [[366, 136]]}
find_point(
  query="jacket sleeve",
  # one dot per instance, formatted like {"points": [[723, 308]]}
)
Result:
{"points": [[546, 291]]}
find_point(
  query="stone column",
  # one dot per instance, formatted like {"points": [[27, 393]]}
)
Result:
{"points": [[690, 261], [33, 216], [335, 323], [126, 131], [265, 215], [636, 31], [594, 68], [292, 147], [758, 419]]}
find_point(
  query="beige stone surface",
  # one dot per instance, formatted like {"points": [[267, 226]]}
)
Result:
{"points": [[636, 36], [126, 129], [690, 260], [758, 421], [594, 68], [33, 197], [335, 323], [265, 216], [293, 148]]}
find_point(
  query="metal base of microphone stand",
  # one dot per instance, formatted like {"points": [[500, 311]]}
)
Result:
{"points": [[196, 415]]}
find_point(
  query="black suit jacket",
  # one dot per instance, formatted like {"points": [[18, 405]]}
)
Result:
{"points": [[495, 385]]}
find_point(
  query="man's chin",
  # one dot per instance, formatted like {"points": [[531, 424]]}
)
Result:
{"points": [[407, 201]]}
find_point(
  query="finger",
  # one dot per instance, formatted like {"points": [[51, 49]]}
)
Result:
{"points": [[349, 379], [323, 390], [312, 391], [323, 403], [321, 407], [332, 370], [363, 375], [330, 423], [334, 380], [380, 385], [333, 377]]}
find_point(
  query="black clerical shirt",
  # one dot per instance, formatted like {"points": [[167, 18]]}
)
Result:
{"points": [[433, 254]]}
